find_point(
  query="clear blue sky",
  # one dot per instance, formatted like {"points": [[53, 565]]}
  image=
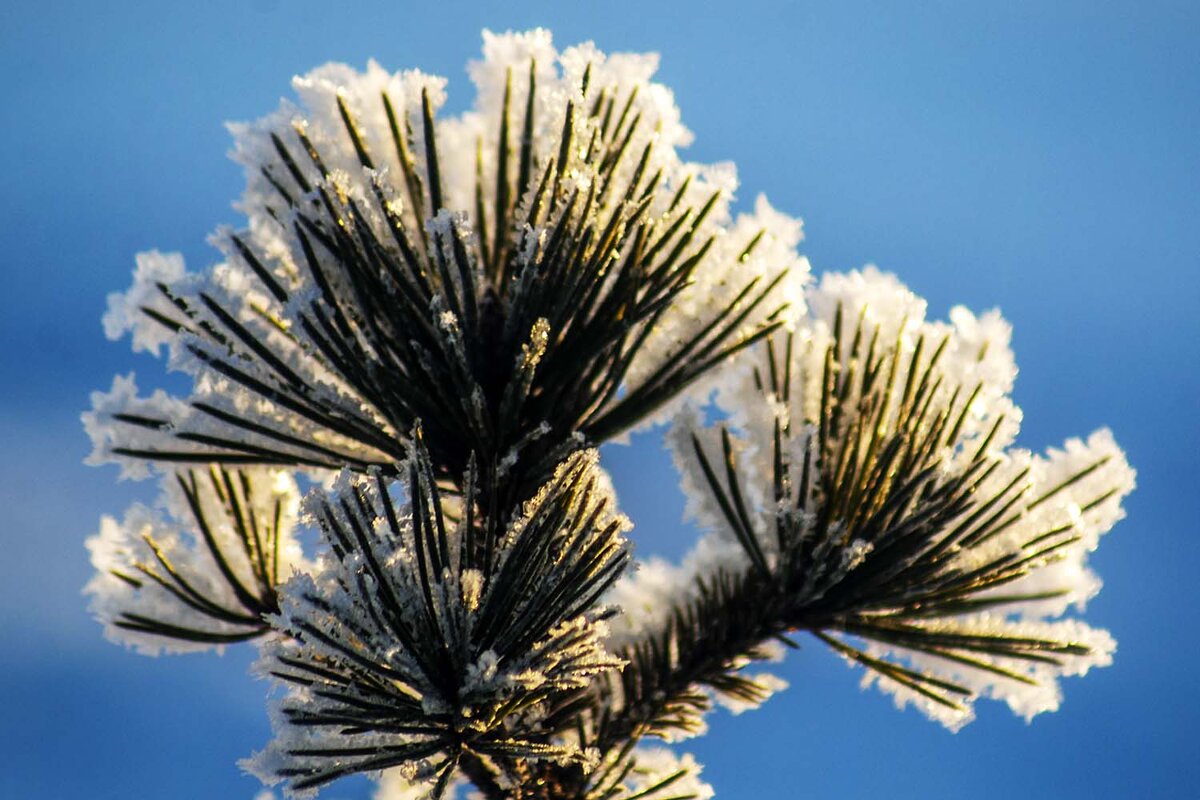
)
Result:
{"points": [[1043, 160]]}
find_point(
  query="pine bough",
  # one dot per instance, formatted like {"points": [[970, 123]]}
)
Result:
{"points": [[433, 322]]}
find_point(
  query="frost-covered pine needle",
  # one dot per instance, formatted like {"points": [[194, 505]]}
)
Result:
{"points": [[867, 477], [201, 568], [536, 270], [419, 644]]}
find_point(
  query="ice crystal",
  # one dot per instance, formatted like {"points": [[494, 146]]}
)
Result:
{"points": [[652, 773], [134, 310], [398, 784]]}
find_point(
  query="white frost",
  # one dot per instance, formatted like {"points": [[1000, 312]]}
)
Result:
{"points": [[1063, 501], [125, 313], [155, 563]]}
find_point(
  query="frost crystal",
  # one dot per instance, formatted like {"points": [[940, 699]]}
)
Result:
{"points": [[398, 784], [134, 311], [653, 773]]}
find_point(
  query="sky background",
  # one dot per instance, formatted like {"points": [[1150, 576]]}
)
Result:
{"points": [[1043, 160]]}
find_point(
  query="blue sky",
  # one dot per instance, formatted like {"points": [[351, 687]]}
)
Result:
{"points": [[1043, 160]]}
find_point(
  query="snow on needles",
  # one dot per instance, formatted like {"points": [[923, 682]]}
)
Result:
{"points": [[200, 569], [442, 317], [874, 451], [300, 355], [398, 653]]}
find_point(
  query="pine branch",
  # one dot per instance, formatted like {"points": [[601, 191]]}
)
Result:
{"points": [[413, 648], [156, 590], [887, 529], [455, 370], [518, 344], [704, 646]]}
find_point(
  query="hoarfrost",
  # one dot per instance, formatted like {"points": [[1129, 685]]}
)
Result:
{"points": [[186, 576], [368, 627], [125, 314], [1048, 512], [655, 765]]}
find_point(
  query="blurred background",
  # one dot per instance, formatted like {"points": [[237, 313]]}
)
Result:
{"points": [[1043, 158]]}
